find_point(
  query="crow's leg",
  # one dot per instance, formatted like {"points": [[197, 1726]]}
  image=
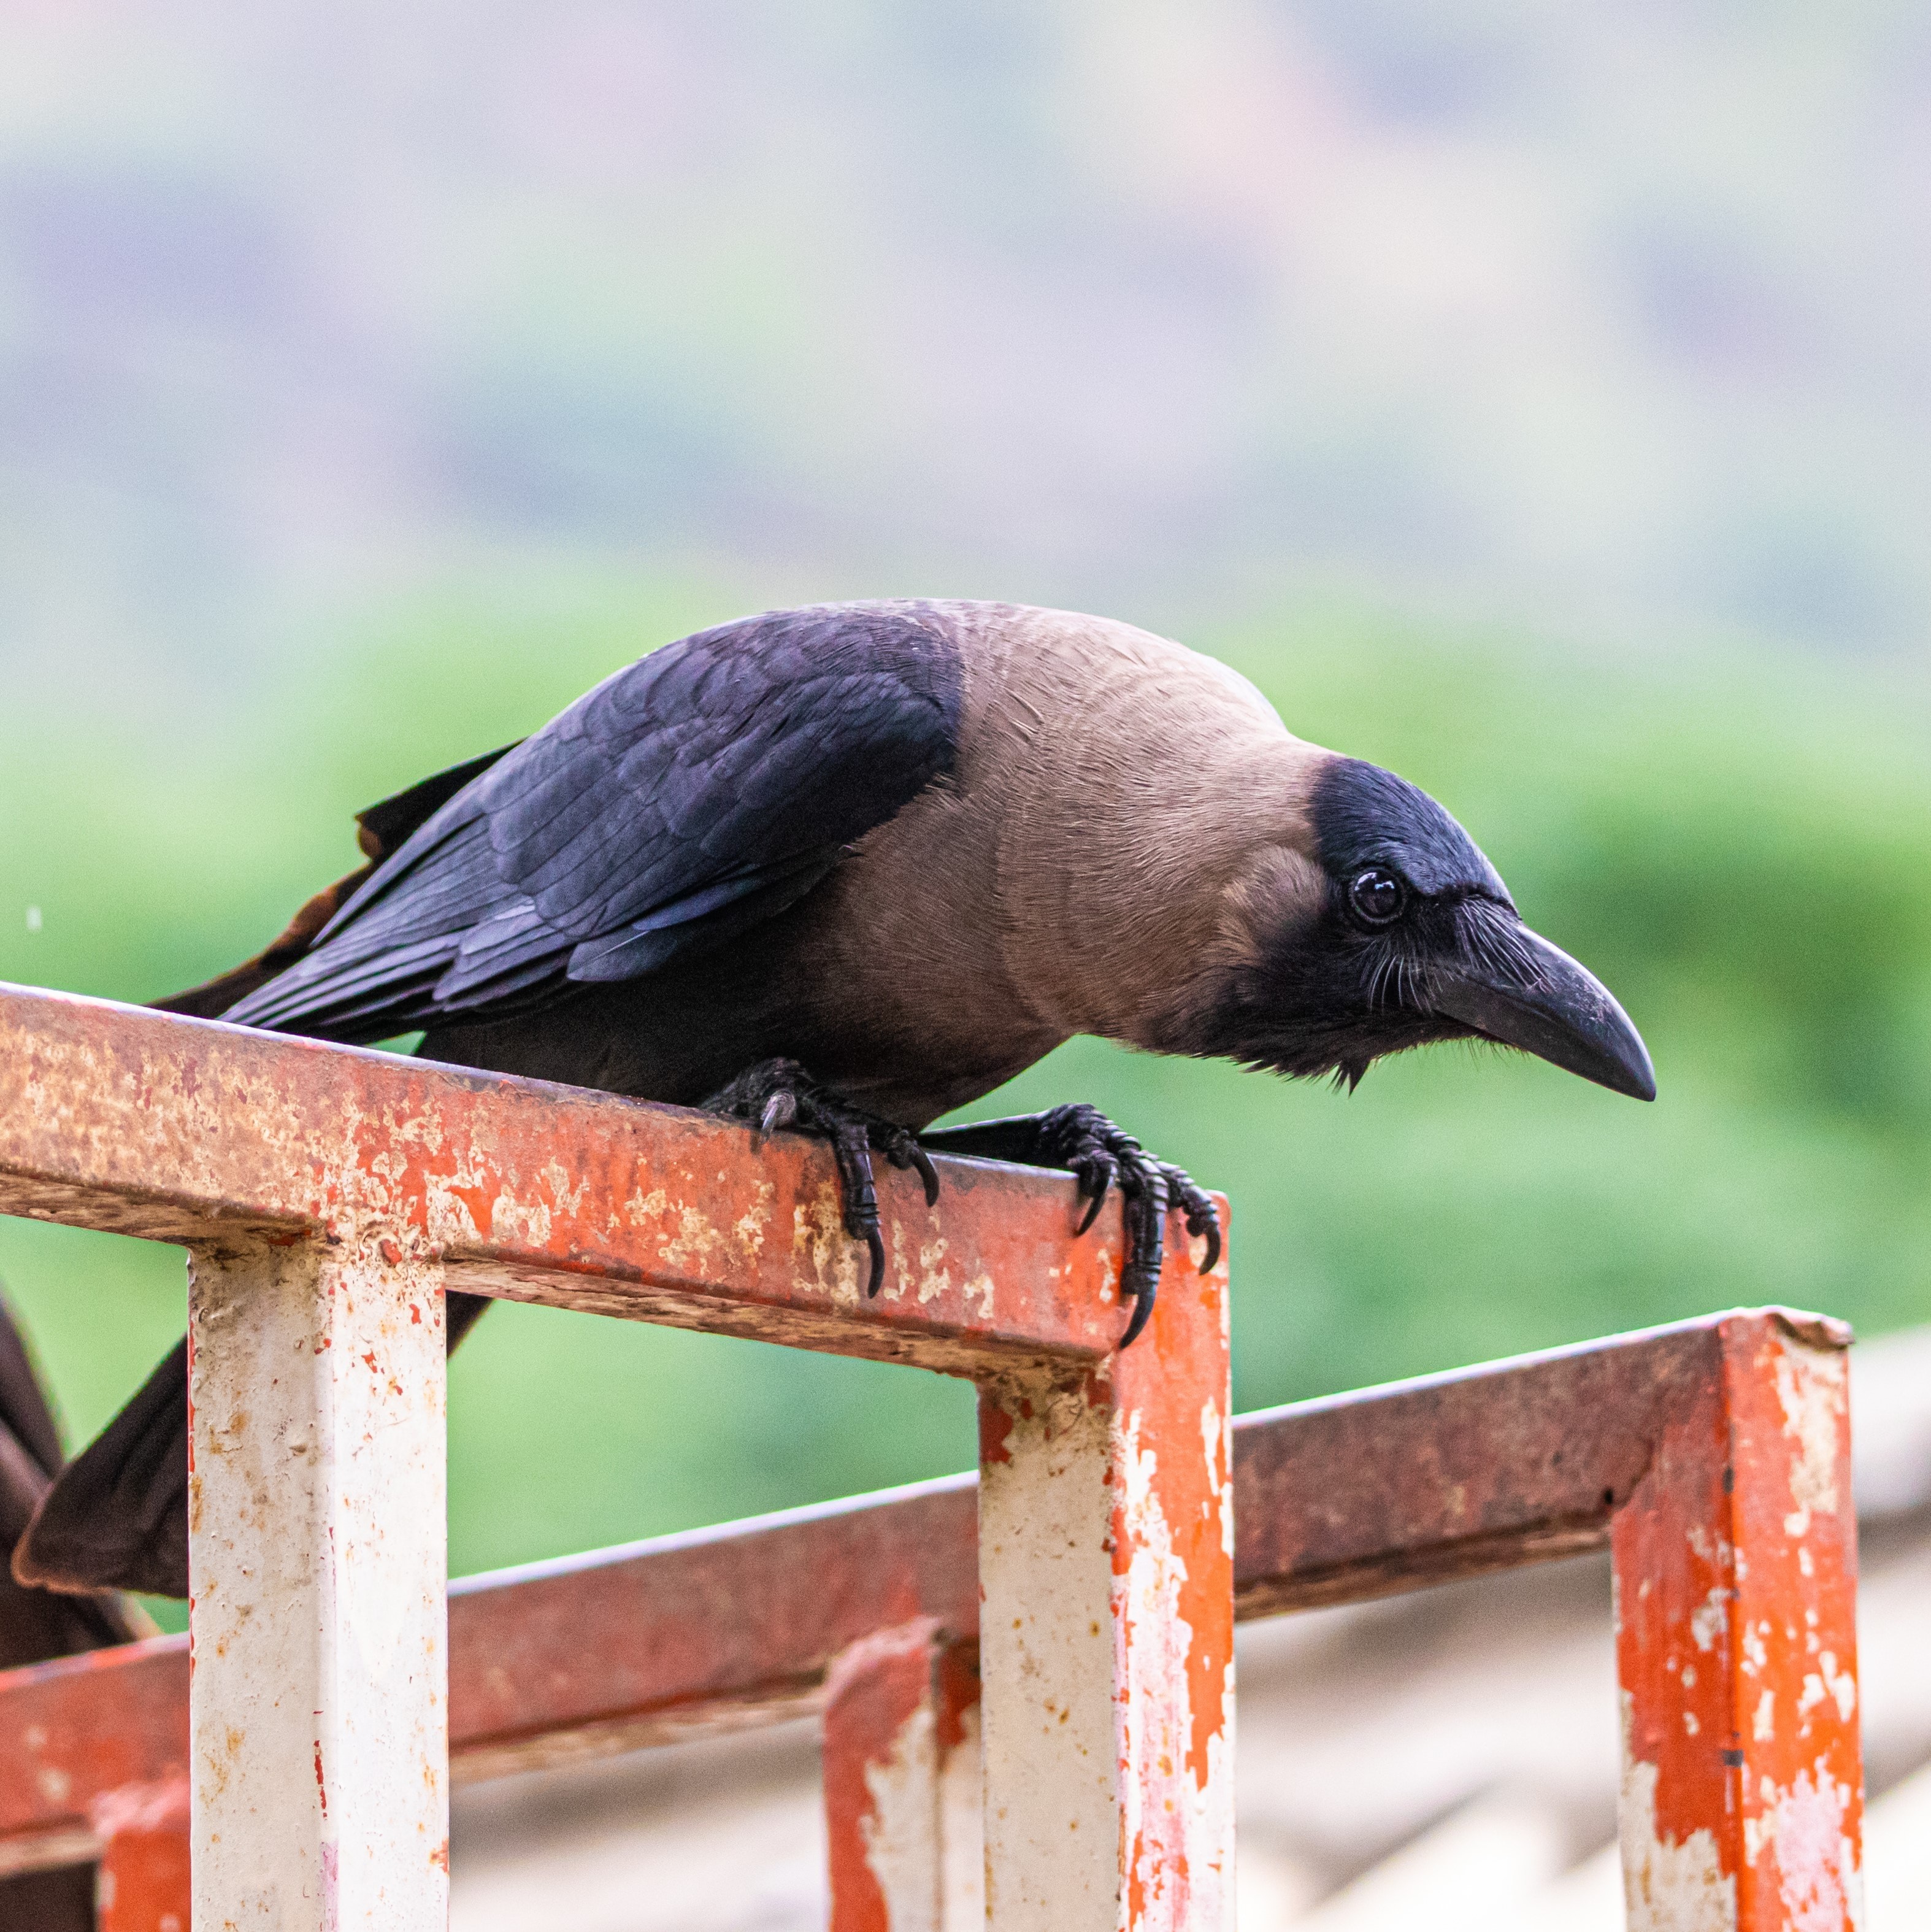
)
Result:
{"points": [[777, 1094], [1083, 1140]]}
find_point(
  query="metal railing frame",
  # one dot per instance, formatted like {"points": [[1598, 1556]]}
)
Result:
{"points": [[1081, 1592]]}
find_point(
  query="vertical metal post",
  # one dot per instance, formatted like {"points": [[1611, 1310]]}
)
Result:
{"points": [[895, 1707], [142, 1881], [1106, 1572], [319, 1567], [1736, 1644]]}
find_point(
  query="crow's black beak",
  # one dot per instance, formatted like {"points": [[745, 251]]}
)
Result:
{"points": [[1526, 993]]}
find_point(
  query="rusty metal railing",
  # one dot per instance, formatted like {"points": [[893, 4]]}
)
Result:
{"points": [[1088, 1574]]}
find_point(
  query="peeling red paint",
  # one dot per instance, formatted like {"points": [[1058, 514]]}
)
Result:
{"points": [[1196, 1493], [995, 1429], [143, 1885], [1126, 1465], [1736, 1580]]}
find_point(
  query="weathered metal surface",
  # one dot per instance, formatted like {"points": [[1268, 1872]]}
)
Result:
{"points": [[1106, 1570], [744, 1619], [685, 1632], [75, 1729], [1385, 1489], [189, 1130], [1735, 1565], [143, 1883], [892, 1710], [318, 1746]]}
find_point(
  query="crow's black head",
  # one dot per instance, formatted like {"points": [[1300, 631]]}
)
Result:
{"points": [[1405, 934]]}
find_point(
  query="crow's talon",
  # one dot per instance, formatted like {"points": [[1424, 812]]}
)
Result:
{"points": [[1097, 1174], [904, 1151], [777, 1094], [1203, 1219], [1104, 1156]]}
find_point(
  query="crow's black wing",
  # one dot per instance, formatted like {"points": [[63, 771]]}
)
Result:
{"points": [[702, 789]]}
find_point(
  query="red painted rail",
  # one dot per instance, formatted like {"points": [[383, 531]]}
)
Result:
{"points": [[327, 1198], [1712, 1457], [194, 1131]]}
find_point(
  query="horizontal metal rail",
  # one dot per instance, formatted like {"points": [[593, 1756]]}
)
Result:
{"points": [[193, 1132]]}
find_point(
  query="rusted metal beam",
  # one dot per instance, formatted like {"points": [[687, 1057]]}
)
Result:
{"points": [[744, 1621], [1735, 1564], [1336, 1500], [1383, 1490], [194, 1131]]}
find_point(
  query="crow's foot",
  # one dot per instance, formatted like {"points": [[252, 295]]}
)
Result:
{"points": [[1084, 1141], [778, 1095]]}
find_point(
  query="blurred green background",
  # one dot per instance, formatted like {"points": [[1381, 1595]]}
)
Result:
{"points": [[1532, 397], [1740, 846]]}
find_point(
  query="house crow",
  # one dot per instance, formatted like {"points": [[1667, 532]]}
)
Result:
{"points": [[843, 869]]}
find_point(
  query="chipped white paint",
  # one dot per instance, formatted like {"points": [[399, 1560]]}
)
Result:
{"points": [[1052, 1814], [1801, 1829], [1812, 1389], [1216, 1442], [695, 1247], [962, 1830], [753, 1222], [1669, 1887], [904, 1837], [1708, 1622], [822, 1253], [1840, 1686], [1107, 1714], [1156, 1715], [318, 1565]]}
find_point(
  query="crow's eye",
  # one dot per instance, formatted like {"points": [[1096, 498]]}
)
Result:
{"points": [[1377, 895]]}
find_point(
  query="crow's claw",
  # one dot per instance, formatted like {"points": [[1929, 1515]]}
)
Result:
{"points": [[1097, 1173], [1082, 1138], [1203, 1218], [902, 1150], [777, 1094]]}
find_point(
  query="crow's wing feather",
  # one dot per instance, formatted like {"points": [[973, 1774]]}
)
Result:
{"points": [[700, 791]]}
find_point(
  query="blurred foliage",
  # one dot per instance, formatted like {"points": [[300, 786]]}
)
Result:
{"points": [[1741, 848]]}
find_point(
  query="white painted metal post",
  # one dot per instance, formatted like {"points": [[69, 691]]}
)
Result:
{"points": [[1106, 1632], [318, 1553]]}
